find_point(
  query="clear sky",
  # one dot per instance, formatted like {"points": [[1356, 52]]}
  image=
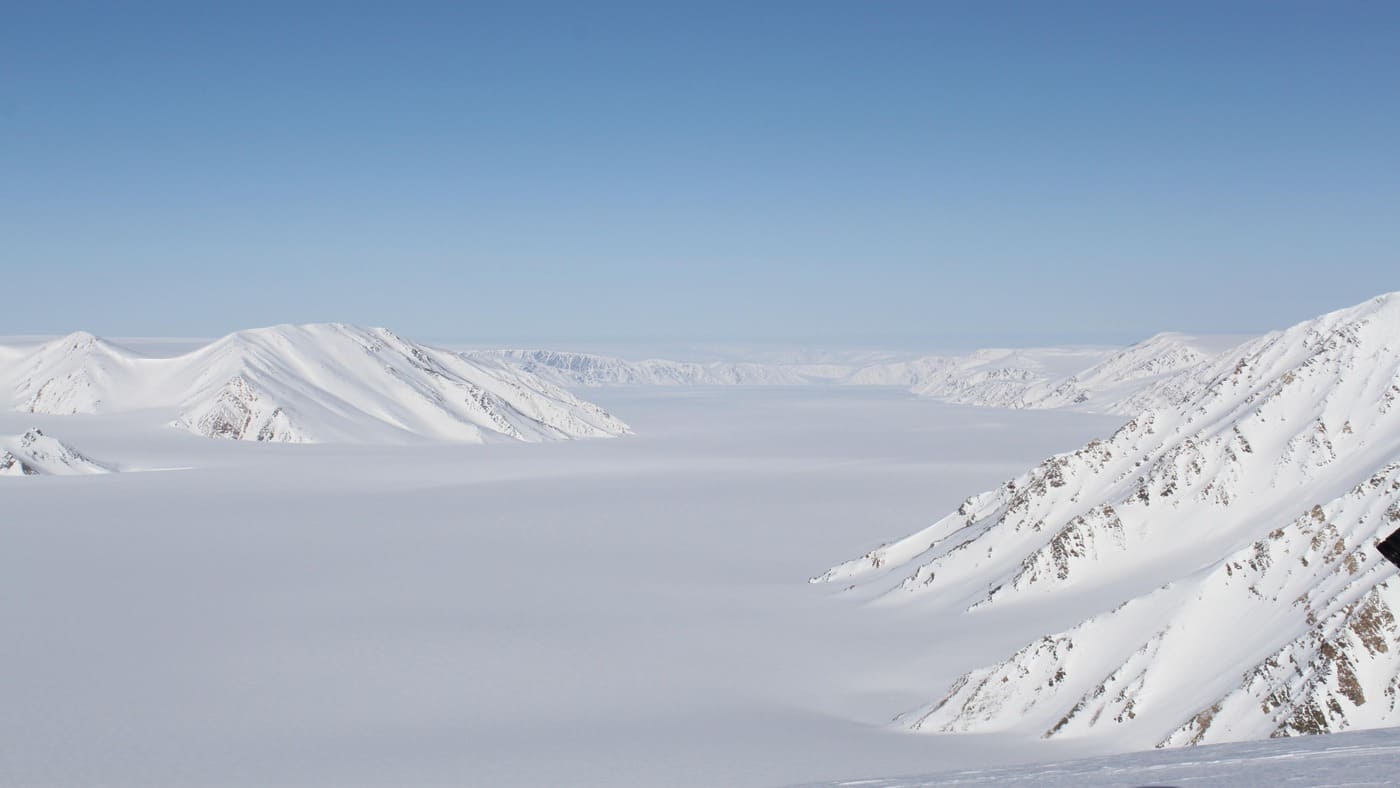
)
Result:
{"points": [[856, 173]]}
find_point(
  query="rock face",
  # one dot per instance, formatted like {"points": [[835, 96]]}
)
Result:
{"points": [[37, 454], [1231, 532], [325, 382], [238, 411]]}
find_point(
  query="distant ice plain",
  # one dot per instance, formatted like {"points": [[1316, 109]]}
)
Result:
{"points": [[599, 612]]}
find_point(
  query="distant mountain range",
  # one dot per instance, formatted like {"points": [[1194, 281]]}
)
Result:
{"points": [[1093, 378], [299, 384], [341, 383], [1217, 549]]}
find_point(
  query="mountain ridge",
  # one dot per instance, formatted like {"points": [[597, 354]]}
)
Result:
{"points": [[1276, 462], [307, 383]]}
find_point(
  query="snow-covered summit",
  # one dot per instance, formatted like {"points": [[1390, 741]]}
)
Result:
{"points": [[71, 374], [1230, 531], [319, 382]]}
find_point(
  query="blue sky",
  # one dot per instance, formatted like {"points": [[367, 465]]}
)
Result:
{"points": [[857, 173]]}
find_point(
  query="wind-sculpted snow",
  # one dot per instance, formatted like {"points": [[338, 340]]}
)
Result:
{"points": [[1238, 522], [309, 383], [37, 454]]}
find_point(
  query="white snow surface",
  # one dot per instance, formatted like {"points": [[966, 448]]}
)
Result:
{"points": [[302, 384], [1218, 553], [1368, 758], [604, 613]]}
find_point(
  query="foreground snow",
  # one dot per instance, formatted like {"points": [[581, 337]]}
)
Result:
{"points": [[606, 613], [1344, 759]]}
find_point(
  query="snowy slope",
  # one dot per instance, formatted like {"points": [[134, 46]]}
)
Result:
{"points": [[73, 374], [1231, 535], [37, 454], [323, 382]]}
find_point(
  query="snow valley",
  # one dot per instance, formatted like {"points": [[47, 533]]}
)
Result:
{"points": [[438, 583]]}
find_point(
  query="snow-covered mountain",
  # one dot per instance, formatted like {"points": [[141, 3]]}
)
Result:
{"points": [[37, 454], [68, 375], [1230, 531], [1098, 379], [1000, 378], [1117, 384], [1089, 378], [321, 382]]}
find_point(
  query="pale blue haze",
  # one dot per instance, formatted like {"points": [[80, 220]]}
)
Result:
{"points": [[854, 173]]}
